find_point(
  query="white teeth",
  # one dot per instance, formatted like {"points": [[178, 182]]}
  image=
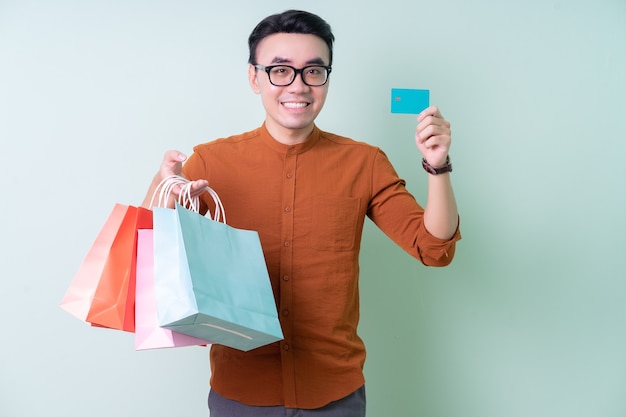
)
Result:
{"points": [[295, 105]]}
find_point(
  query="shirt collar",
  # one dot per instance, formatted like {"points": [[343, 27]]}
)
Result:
{"points": [[283, 148]]}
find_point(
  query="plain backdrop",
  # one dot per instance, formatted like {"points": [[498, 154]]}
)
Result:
{"points": [[528, 321]]}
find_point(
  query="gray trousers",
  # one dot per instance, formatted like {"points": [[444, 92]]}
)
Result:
{"points": [[351, 406]]}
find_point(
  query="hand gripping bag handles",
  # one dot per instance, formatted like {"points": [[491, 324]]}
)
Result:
{"points": [[211, 280], [103, 290]]}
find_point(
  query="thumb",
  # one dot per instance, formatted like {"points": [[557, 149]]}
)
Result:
{"points": [[173, 162]]}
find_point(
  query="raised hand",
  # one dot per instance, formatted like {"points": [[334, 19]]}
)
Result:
{"points": [[172, 164], [433, 136]]}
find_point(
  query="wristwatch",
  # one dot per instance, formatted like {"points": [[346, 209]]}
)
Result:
{"points": [[438, 170]]}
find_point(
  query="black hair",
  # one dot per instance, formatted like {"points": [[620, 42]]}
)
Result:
{"points": [[291, 21]]}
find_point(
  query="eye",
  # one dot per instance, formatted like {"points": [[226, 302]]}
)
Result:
{"points": [[281, 70]]}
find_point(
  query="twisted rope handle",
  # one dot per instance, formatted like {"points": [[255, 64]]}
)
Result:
{"points": [[166, 187]]}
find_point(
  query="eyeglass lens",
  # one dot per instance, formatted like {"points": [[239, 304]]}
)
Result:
{"points": [[285, 75]]}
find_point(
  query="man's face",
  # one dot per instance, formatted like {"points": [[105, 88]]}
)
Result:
{"points": [[291, 109]]}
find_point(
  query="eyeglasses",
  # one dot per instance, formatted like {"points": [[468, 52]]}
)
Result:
{"points": [[284, 75]]}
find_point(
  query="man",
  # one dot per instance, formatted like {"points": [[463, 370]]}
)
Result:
{"points": [[307, 193]]}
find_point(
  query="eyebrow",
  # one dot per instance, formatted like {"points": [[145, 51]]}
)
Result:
{"points": [[314, 61]]}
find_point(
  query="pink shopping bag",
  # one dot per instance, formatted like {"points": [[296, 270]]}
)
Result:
{"points": [[148, 334]]}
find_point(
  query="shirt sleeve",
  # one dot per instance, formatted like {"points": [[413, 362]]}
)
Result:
{"points": [[396, 212]]}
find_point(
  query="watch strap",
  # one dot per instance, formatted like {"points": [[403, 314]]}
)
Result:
{"points": [[447, 167]]}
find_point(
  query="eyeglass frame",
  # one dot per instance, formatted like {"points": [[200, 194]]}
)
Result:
{"points": [[296, 71]]}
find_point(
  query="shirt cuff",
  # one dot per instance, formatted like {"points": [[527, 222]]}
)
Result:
{"points": [[438, 252]]}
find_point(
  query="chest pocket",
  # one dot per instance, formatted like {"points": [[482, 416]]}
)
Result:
{"points": [[334, 223]]}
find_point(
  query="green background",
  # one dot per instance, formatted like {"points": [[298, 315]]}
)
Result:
{"points": [[530, 318]]}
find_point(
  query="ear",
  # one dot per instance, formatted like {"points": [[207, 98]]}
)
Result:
{"points": [[253, 79]]}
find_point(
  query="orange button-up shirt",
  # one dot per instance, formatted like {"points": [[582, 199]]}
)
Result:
{"points": [[308, 202]]}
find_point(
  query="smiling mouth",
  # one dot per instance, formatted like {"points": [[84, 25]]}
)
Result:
{"points": [[294, 105]]}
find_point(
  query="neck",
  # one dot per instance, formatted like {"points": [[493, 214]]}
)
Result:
{"points": [[288, 136]]}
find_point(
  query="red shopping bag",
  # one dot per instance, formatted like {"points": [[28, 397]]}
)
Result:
{"points": [[103, 290]]}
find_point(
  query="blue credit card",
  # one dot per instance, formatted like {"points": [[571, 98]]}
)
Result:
{"points": [[409, 101]]}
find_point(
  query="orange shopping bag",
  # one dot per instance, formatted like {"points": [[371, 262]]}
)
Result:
{"points": [[103, 290]]}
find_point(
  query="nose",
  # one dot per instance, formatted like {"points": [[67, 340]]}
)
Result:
{"points": [[298, 84]]}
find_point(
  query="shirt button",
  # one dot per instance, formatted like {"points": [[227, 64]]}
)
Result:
{"points": [[285, 277], [286, 243], [285, 312], [285, 346], [287, 209], [289, 175]]}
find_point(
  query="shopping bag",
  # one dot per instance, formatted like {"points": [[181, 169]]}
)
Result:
{"points": [[103, 290], [211, 280], [113, 303], [78, 296], [148, 333]]}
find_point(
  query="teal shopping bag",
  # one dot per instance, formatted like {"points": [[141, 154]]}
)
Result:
{"points": [[211, 281]]}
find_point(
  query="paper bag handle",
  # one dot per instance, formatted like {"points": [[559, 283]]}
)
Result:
{"points": [[166, 186]]}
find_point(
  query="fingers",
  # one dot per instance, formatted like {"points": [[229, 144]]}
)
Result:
{"points": [[191, 189], [429, 111], [433, 135], [432, 125], [431, 116], [173, 157], [172, 163], [198, 187], [430, 130]]}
